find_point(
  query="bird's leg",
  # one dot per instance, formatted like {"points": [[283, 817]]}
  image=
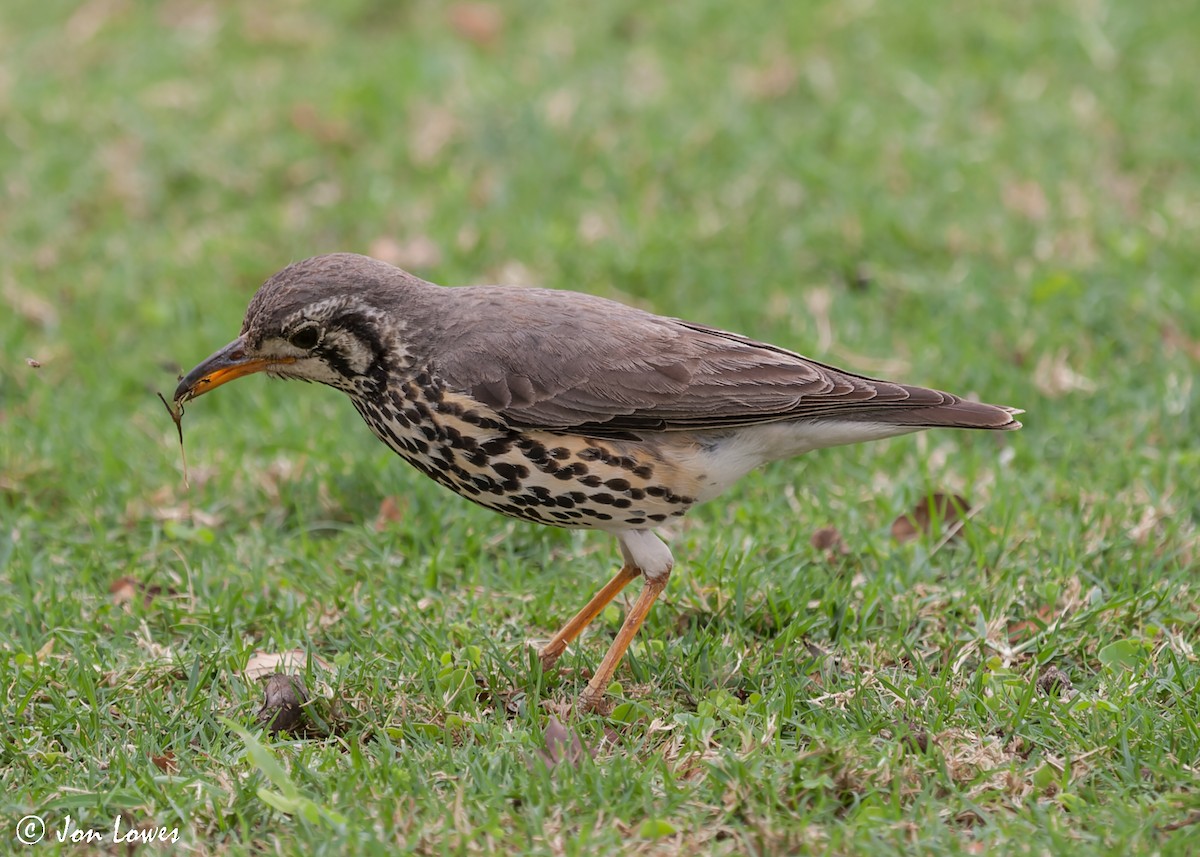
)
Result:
{"points": [[554, 649], [645, 553], [593, 694]]}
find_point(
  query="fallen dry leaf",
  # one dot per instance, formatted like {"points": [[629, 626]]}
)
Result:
{"points": [[559, 708], [262, 664], [828, 539], [166, 763], [479, 23], [124, 589], [391, 511], [947, 508], [1022, 629], [562, 745]]}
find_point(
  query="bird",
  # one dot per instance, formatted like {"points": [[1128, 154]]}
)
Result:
{"points": [[563, 408]]}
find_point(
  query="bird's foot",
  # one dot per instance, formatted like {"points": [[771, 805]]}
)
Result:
{"points": [[593, 701], [549, 657]]}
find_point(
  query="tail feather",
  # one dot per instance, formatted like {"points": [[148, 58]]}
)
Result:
{"points": [[953, 413]]}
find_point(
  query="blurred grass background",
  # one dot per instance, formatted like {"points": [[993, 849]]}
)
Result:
{"points": [[1000, 200]]}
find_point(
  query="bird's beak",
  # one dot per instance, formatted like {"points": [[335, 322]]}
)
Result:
{"points": [[228, 363]]}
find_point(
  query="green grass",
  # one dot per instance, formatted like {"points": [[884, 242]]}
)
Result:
{"points": [[991, 199]]}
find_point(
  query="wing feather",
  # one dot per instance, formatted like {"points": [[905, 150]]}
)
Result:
{"points": [[566, 361]]}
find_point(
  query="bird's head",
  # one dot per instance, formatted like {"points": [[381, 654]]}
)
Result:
{"points": [[330, 319]]}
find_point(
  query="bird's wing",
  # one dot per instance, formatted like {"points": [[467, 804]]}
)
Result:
{"points": [[561, 360]]}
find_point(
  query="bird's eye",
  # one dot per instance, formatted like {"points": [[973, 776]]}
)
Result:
{"points": [[306, 337]]}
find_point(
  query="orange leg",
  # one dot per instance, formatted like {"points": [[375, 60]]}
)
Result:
{"points": [[583, 618], [593, 694]]}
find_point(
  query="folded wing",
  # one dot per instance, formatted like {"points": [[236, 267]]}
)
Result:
{"points": [[607, 369]]}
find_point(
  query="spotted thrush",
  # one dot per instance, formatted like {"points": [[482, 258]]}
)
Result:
{"points": [[562, 408]]}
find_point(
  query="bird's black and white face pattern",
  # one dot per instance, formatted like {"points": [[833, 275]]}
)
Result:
{"points": [[341, 340]]}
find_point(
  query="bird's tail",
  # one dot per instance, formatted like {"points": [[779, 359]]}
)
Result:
{"points": [[953, 412]]}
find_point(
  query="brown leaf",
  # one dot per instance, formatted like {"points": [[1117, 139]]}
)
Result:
{"points": [[124, 589], [562, 745], [479, 23], [283, 700], [391, 511], [1022, 629], [559, 708], [166, 763], [947, 508], [263, 664], [828, 539]]}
